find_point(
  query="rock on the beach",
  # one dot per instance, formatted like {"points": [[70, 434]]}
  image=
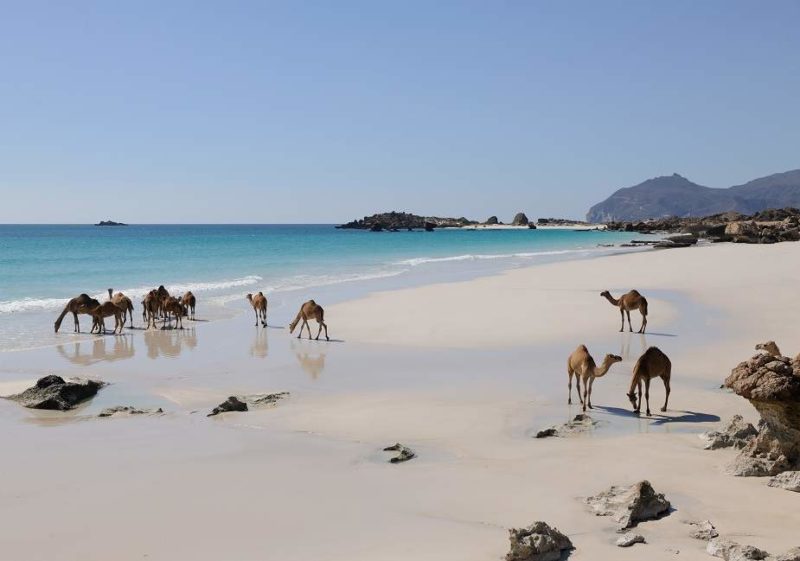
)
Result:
{"points": [[520, 219], [703, 530], [772, 385], [404, 453], [735, 433], [53, 392], [630, 505], [628, 539], [791, 555], [244, 402], [537, 542], [581, 423], [789, 480], [128, 410], [730, 550]]}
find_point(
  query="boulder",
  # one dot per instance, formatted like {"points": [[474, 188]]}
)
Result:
{"points": [[581, 423], [703, 530], [520, 219], [244, 402], [791, 555], [789, 480], [736, 433], [628, 539], [404, 453], [731, 551], [120, 410], [630, 505], [741, 228], [53, 392], [772, 385], [492, 220], [537, 542]]}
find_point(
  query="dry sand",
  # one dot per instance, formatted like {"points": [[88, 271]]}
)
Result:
{"points": [[464, 373]]}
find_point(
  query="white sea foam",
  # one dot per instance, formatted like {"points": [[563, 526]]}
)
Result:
{"points": [[416, 261]]}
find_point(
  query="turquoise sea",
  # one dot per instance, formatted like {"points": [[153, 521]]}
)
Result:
{"points": [[41, 266]]}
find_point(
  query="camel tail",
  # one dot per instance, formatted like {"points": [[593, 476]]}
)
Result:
{"points": [[644, 307], [61, 318]]}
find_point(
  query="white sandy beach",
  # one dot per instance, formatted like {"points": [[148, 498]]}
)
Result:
{"points": [[464, 373]]}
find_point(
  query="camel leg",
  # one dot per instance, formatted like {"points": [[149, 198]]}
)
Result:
{"points": [[666, 400], [319, 329], [308, 326], [644, 324], [578, 386], [638, 408], [591, 385], [585, 392], [622, 317], [325, 327], [630, 325], [569, 384], [647, 394], [77, 327], [255, 311]]}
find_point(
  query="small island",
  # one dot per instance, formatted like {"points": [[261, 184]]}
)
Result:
{"points": [[110, 223]]}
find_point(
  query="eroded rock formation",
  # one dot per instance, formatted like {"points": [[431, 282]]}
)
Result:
{"points": [[772, 385], [630, 505], [244, 402], [736, 433], [537, 542], [53, 392]]}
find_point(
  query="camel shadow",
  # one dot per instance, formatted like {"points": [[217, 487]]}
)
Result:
{"points": [[658, 419], [661, 334]]}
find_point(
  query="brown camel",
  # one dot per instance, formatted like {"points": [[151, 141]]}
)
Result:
{"points": [[123, 303], [259, 303], [173, 307], [627, 302], [81, 304], [582, 365], [310, 310], [189, 301], [151, 305], [163, 294], [102, 311], [652, 364]]}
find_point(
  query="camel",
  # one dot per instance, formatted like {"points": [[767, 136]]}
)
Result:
{"points": [[123, 303], [310, 310], [770, 348], [171, 306], [151, 305], [259, 303], [582, 365], [189, 302], [81, 304], [652, 364], [627, 302], [104, 310]]}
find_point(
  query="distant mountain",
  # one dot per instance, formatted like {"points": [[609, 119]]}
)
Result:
{"points": [[677, 196]]}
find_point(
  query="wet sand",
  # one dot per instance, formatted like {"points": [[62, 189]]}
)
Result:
{"points": [[465, 386]]}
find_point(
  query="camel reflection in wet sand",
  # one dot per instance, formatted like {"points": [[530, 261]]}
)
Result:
{"points": [[310, 356], [169, 342], [85, 353], [260, 346], [625, 346]]}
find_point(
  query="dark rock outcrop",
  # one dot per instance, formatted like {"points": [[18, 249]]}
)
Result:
{"points": [[537, 542], [110, 223], [395, 221], [492, 220], [581, 423], [520, 219], [772, 385], [736, 433], [244, 402], [630, 505], [404, 453], [53, 392]]}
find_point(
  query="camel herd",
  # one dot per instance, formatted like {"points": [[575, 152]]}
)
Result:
{"points": [[160, 304], [652, 364]]}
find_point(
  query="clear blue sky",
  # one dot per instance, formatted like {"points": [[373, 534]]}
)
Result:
{"points": [[324, 111]]}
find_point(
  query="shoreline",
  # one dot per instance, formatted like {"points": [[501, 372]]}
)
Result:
{"points": [[466, 398]]}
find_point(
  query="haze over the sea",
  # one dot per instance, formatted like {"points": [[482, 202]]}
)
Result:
{"points": [[187, 112]]}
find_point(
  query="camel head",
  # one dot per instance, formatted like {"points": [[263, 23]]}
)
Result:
{"points": [[292, 326], [769, 347], [632, 397], [249, 298], [611, 359], [605, 294]]}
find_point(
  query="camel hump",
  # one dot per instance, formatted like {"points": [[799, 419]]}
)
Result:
{"points": [[635, 292], [582, 348], [312, 302]]}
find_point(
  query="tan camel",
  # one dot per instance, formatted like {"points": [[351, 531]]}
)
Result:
{"points": [[172, 307], [259, 303], [123, 303], [151, 305], [581, 364], [310, 310], [81, 304], [189, 301], [102, 311], [652, 364], [627, 302], [770, 348]]}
